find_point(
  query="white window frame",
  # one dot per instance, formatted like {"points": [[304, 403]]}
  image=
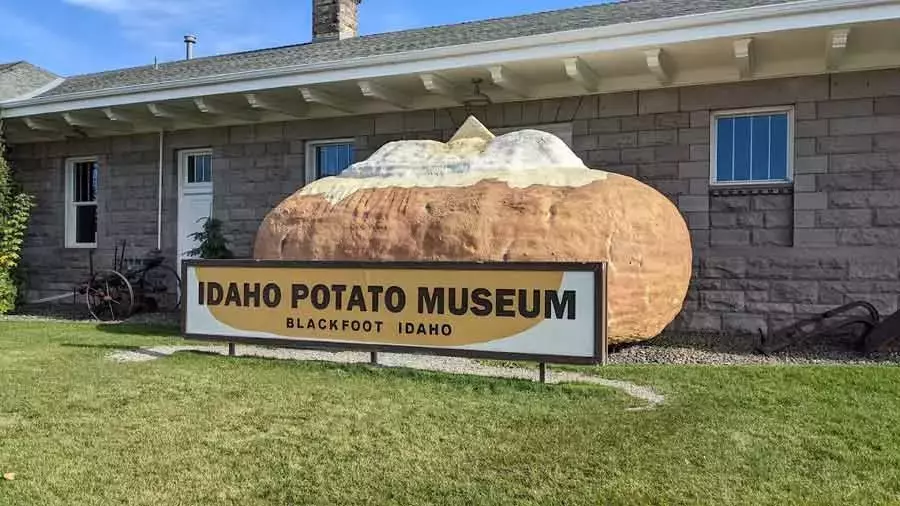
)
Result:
{"points": [[713, 144], [565, 131], [70, 214], [312, 169], [183, 186]]}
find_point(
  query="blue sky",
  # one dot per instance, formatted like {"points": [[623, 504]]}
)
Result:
{"points": [[79, 36]]}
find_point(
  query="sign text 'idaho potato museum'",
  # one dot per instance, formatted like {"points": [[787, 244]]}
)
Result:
{"points": [[552, 312]]}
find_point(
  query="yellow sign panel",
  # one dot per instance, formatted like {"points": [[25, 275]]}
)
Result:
{"points": [[547, 310]]}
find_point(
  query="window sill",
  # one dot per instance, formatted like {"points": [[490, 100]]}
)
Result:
{"points": [[725, 189], [82, 246]]}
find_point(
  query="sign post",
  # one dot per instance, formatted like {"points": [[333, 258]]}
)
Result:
{"points": [[545, 312]]}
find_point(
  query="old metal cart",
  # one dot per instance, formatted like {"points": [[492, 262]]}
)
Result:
{"points": [[144, 285], [858, 323]]}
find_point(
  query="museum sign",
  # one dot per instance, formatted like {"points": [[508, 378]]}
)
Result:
{"points": [[550, 312]]}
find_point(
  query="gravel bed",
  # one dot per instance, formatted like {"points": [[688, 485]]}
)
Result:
{"points": [[723, 349], [654, 354]]}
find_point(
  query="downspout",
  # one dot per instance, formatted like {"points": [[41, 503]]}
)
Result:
{"points": [[159, 203]]}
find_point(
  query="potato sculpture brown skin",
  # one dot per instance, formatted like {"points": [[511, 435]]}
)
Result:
{"points": [[616, 219]]}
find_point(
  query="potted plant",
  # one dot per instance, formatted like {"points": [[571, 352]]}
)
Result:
{"points": [[212, 242]]}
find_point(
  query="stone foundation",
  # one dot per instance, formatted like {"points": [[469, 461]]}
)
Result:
{"points": [[742, 290]]}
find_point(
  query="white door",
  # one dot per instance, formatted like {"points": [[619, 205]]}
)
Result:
{"points": [[195, 197]]}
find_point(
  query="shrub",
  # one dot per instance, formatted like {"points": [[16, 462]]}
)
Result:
{"points": [[15, 209], [213, 244]]}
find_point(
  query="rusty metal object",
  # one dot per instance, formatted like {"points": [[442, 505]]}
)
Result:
{"points": [[886, 334], [856, 319], [144, 284]]}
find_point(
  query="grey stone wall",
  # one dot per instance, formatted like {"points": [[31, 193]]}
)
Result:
{"points": [[760, 219], [763, 257], [127, 207], [843, 243]]}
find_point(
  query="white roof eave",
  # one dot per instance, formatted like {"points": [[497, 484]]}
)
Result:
{"points": [[735, 23]]}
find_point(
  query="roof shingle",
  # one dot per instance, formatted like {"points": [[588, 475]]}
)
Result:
{"points": [[607, 14], [21, 78]]}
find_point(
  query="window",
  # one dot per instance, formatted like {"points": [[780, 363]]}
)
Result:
{"points": [[81, 202], [561, 130], [328, 158], [196, 168], [752, 146]]}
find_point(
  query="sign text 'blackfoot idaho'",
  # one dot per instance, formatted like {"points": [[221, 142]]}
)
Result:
{"points": [[548, 310]]}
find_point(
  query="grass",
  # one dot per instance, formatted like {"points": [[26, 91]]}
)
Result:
{"points": [[200, 429]]}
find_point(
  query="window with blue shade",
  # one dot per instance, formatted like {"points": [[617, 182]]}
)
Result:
{"points": [[331, 158], [752, 147]]}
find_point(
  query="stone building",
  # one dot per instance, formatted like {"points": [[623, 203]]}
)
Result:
{"points": [[773, 125]]}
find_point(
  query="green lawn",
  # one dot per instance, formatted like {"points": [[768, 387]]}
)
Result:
{"points": [[200, 429]]}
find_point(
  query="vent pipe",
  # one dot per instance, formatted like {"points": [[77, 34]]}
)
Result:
{"points": [[189, 41]]}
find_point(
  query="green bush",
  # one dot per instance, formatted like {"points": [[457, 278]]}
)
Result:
{"points": [[15, 209], [213, 244]]}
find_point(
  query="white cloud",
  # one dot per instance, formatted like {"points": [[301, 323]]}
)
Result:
{"points": [[28, 33], [156, 10], [160, 24], [121, 6], [30, 40]]}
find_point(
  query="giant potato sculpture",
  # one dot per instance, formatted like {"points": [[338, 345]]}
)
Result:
{"points": [[521, 197]]}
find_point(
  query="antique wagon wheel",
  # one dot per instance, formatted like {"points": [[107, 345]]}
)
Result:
{"points": [[160, 285], [109, 296]]}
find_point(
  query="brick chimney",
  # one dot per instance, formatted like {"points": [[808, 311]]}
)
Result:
{"points": [[335, 19]]}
